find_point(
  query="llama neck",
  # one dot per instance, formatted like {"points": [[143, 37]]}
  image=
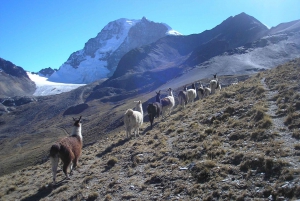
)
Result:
{"points": [[157, 99], [77, 131], [140, 108], [170, 93]]}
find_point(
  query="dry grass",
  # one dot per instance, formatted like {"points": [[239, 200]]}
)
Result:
{"points": [[221, 148]]}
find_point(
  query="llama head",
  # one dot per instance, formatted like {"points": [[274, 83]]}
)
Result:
{"points": [[157, 97], [170, 92], [137, 102], [77, 122], [201, 86], [193, 86]]}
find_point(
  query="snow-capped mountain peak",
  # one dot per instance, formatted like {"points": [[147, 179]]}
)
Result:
{"points": [[101, 55]]}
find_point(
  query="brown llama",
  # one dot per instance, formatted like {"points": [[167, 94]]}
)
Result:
{"points": [[68, 150]]}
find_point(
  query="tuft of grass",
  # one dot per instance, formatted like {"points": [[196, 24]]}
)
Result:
{"points": [[266, 122], [112, 161], [296, 134], [92, 196], [259, 90], [209, 131], [108, 197], [201, 171], [11, 189], [180, 130], [297, 146]]}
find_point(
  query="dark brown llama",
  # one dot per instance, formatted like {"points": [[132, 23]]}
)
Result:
{"points": [[68, 150], [154, 109]]}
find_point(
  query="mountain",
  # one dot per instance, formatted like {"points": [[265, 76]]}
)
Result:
{"points": [[293, 26], [101, 55], [14, 80], [147, 67], [46, 72]]}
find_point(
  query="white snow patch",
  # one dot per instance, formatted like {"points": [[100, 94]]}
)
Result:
{"points": [[46, 88]]}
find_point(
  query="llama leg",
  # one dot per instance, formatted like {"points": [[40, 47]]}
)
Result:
{"points": [[170, 111], [135, 131], [65, 168], [54, 162], [71, 168], [163, 112], [128, 132]]}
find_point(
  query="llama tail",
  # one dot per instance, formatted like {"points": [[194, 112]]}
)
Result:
{"points": [[54, 158]]}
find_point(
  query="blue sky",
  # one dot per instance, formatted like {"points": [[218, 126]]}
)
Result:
{"points": [[37, 34]]}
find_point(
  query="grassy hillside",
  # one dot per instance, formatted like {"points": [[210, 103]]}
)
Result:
{"points": [[239, 144]]}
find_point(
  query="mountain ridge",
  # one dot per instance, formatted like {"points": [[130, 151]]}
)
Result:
{"points": [[173, 55], [100, 55]]}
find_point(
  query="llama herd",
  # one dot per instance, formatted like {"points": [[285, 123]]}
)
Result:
{"points": [[69, 148], [132, 119]]}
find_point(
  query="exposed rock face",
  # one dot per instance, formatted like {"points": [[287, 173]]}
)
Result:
{"points": [[17, 101], [47, 72], [14, 81], [101, 55]]}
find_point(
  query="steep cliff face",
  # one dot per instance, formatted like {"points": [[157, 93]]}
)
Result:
{"points": [[101, 55], [14, 81]]}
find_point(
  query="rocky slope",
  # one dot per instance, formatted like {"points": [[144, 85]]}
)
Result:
{"points": [[239, 144], [14, 80]]}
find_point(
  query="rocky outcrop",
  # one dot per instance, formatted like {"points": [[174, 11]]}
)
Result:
{"points": [[14, 80]]}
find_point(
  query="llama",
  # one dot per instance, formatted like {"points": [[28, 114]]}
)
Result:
{"points": [[134, 119], [192, 93], [168, 103], [215, 84], [183, 97], [207, 91], [68, 150], [201, 91], [154, 109]]}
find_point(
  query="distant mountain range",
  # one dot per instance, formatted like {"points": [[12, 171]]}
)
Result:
{"points": [[239, 45]]}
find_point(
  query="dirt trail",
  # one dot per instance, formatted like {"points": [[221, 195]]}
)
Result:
{"points": [[285, 136]]}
